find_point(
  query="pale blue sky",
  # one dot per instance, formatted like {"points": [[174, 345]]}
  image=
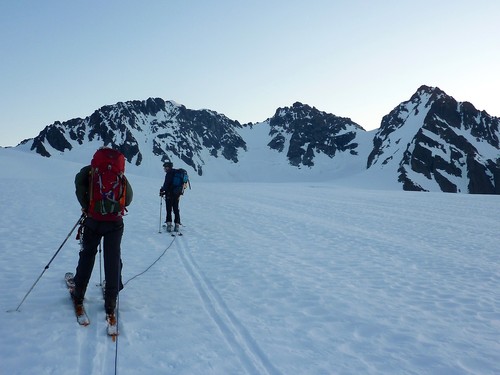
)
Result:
{"points": [[357, 58]]}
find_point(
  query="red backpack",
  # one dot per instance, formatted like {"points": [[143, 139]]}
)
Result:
{"points": [[108, 185]]}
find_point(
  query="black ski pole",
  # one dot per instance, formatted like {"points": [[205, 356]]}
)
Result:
{"points": [[118, 311], [100, 264], [80, 220], [161, 202]]}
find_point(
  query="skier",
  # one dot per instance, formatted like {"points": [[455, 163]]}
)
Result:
{"points": [[172, 197], [103, 220]]}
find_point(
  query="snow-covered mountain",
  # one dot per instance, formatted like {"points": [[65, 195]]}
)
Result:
{"points": [[432, 142], [428, 143], [142, 129], [303, 132]]}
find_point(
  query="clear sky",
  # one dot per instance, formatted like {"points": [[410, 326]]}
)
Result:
{"points": [[62, 59]]}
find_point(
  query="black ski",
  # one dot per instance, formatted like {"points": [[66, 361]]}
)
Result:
{"points": [[81, 315]]}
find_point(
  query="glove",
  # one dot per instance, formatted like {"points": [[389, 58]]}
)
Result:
{"points": [[162, 193]]}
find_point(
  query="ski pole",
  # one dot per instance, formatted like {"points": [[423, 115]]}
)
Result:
{"points": [[161, 202], [100, 264], [80, 220], [118, 311]]}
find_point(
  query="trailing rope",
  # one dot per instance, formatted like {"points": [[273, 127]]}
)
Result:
{"points": [[117, 316], [152, 264], [118, 297]]}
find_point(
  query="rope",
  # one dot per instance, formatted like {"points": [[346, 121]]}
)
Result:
{"points": [[118, 297], [117, 309], [156, 261], [117, 316]]}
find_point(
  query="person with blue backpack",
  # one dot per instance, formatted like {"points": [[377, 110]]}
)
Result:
{"points": [[171, 191]]}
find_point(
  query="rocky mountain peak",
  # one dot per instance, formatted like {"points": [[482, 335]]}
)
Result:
{"points": [[305, 131], [167, 129], [430, 142]]}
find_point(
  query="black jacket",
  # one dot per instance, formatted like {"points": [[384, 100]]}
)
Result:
{"points": [[167, 187]]}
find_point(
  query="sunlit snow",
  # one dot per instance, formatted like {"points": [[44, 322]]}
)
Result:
{"points": [[269, 278]]}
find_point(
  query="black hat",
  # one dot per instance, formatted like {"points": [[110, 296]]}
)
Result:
{"points": [[168, 164]]}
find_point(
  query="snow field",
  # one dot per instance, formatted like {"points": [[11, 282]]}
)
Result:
{"points": [[274, 278]]}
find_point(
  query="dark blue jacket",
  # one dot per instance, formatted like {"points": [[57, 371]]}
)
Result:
{"points": [[167, 184]]}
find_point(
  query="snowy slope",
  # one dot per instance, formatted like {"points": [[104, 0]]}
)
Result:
{"points": [[270, 278]]}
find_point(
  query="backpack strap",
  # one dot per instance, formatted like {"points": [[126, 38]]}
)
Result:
{"points": [[91, 191], [122, 199]]}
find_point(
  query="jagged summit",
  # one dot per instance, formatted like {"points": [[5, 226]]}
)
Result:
{"points": [[304, 132], [430, 142], [434, 141], [163, 128]]}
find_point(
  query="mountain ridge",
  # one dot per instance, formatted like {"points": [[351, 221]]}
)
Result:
{"points": [[430, 142]]}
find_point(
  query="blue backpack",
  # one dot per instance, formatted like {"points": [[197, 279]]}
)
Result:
{"points": [[179, 181]]}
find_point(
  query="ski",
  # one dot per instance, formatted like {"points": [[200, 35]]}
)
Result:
{"points": [[176, 231], [112, 323], [81, 315], [112, 328], [172, 231], [167, 228]]}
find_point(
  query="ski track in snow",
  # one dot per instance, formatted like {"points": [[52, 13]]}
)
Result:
{"points": [[420, 282], [235, 334], [96, 349]]}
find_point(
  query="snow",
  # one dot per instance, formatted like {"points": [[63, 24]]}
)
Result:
{"points": [[269, 278]]}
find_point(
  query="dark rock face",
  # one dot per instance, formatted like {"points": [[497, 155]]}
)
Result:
{"points": [[430, 142], [304, 131], [436, 140], [172, 130]]}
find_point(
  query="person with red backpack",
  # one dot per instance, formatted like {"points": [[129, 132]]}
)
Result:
{"points": [[103, 193]]}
